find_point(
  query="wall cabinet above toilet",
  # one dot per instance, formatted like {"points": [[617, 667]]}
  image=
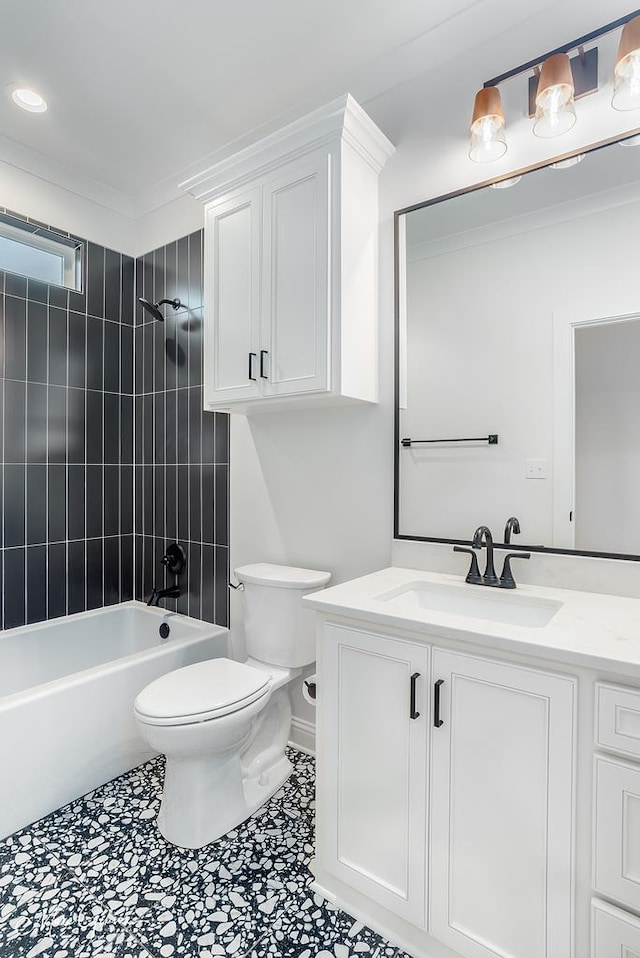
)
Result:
{"points": [[291, 227]]}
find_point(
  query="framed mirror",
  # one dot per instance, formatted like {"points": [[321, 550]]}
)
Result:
{"points": [[518, 358]]}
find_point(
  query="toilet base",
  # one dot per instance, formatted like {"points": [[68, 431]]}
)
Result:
{"points": [[207, 794]]}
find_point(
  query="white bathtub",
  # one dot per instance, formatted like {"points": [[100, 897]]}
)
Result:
{"points": [[67, 689]]}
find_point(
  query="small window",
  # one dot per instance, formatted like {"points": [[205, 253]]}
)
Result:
{"points": [[39, 253]]}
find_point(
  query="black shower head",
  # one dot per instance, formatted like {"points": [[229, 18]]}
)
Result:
{"points": [[153, 309]]}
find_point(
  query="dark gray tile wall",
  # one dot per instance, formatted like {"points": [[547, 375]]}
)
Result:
{"points": [[66, 463], [181, 452]]}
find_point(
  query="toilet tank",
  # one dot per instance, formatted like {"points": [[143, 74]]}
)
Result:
{"points": [[278, 629]]}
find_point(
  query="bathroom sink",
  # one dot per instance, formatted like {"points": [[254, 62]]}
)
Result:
{"points": [[470, 601]]}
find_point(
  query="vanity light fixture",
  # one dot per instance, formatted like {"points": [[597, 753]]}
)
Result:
{"points": [[555, 105], [568, 163], [28, 100], [556, 80], [488, 141], [626, 89], [505, 184]]}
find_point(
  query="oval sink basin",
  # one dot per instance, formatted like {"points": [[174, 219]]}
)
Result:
{"points": [[472, 601]]}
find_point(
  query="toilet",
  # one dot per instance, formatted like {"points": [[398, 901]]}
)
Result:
{"points": [[224, 725]]}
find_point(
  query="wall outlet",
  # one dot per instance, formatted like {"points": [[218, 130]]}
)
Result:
{"points": [[536, 469]]}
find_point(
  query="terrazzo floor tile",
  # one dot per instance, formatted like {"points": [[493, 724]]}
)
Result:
{"points": [[312, 928], [63, 919], [117, 889]]}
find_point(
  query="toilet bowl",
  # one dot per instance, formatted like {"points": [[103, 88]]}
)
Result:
{"points": [[224, 725]]}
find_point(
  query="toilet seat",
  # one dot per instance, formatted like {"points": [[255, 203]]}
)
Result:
{"points": [[201, 692]]}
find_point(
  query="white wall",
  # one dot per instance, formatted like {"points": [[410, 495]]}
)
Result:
{"points": [[64, 209]]}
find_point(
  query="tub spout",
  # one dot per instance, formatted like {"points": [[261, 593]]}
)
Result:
{"points": [[173, 592]]}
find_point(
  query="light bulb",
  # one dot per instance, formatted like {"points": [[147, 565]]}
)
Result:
{"points": [[488, 142]]}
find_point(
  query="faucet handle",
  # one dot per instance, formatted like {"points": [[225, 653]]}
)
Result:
{"points": [[506, 579], [473, 575]]}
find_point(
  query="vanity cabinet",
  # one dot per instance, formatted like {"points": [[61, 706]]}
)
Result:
{"points": [[290, 288], [372, 766], [501, 809], [445, 791]]}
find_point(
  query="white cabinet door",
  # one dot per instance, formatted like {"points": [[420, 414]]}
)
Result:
{"points": [[614, 933], [372, 759], [294, 355], [232, 297], [501, 809], [617, 831]]}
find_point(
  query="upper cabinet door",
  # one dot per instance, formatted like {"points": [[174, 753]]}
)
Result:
{"points": [[294, 344], [232, 298], [372, 765], [501, 809]]}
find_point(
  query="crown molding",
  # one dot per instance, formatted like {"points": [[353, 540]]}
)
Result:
{"points": [[342, 119]]}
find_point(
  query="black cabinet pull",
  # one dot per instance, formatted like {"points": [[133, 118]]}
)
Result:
{"points": [[437, 721], [252, 356], [263, 353], [413, 713]]}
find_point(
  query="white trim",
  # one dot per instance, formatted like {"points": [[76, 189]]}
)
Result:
{"points": [[303, 735], [564, 327]]}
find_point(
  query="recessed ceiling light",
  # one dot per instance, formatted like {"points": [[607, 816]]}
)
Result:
{"points": [[28, 100]]}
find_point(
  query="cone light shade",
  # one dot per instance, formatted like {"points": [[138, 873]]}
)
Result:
{"points": [[626, 89], [487, 141], [555, 110]]}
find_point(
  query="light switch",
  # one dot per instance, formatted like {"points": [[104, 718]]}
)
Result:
{"points": [[536, 469]]}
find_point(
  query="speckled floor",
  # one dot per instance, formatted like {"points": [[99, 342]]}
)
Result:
{"points": [[96, 880]]}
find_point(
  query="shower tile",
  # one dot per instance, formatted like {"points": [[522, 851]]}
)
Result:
{"points": [[15, 285], [37, 292], [14, 588], [57, 346], [195, 503], [95, 280], [76, 478], [15, 478], [221, 437], [58, 296], [36, 422], [36, 583], [126, 500], [111, 356], [57, 424], [57, 579], [36, 505], [95, 592], [182, 270], [126, 359], [195, 346], [95, 501], [112, 285], [76, 581], [15, 402], [126, 567], [111, 500], [112, 418], [127, 290], [195, 424], [15, 318], [126, 429], [95, 353], [111, 570], [94, 426], [77, 349], [37, 342]]}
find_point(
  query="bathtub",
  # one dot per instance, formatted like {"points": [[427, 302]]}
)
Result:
{"points": [[67, 689]]}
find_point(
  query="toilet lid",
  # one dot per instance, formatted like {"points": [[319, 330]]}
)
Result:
{"points": [[201, 691]]}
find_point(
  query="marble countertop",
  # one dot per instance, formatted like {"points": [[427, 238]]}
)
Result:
{"points": [[588, 628]]}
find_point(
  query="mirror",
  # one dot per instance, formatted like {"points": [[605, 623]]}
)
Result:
{"points": [[518, 318]]}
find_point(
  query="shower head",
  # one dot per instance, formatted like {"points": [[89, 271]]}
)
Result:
{"points": [[153, 310]]}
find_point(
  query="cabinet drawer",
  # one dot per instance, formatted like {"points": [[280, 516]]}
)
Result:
{"points": [[618, 718], [613, 932], [616, 864]]}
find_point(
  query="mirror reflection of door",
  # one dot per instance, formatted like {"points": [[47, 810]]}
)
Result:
{"points": [[607, 437]]}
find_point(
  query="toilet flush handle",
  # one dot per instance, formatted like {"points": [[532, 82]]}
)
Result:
{"points": [[236, 588]]}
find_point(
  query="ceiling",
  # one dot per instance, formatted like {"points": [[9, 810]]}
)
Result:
{"points": [[144, 93]]}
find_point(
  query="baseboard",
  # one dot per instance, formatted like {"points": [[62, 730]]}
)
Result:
{"points": [[303, 735]]}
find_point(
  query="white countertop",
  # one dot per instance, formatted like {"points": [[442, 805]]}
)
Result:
{"points": [[589, 629]]}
